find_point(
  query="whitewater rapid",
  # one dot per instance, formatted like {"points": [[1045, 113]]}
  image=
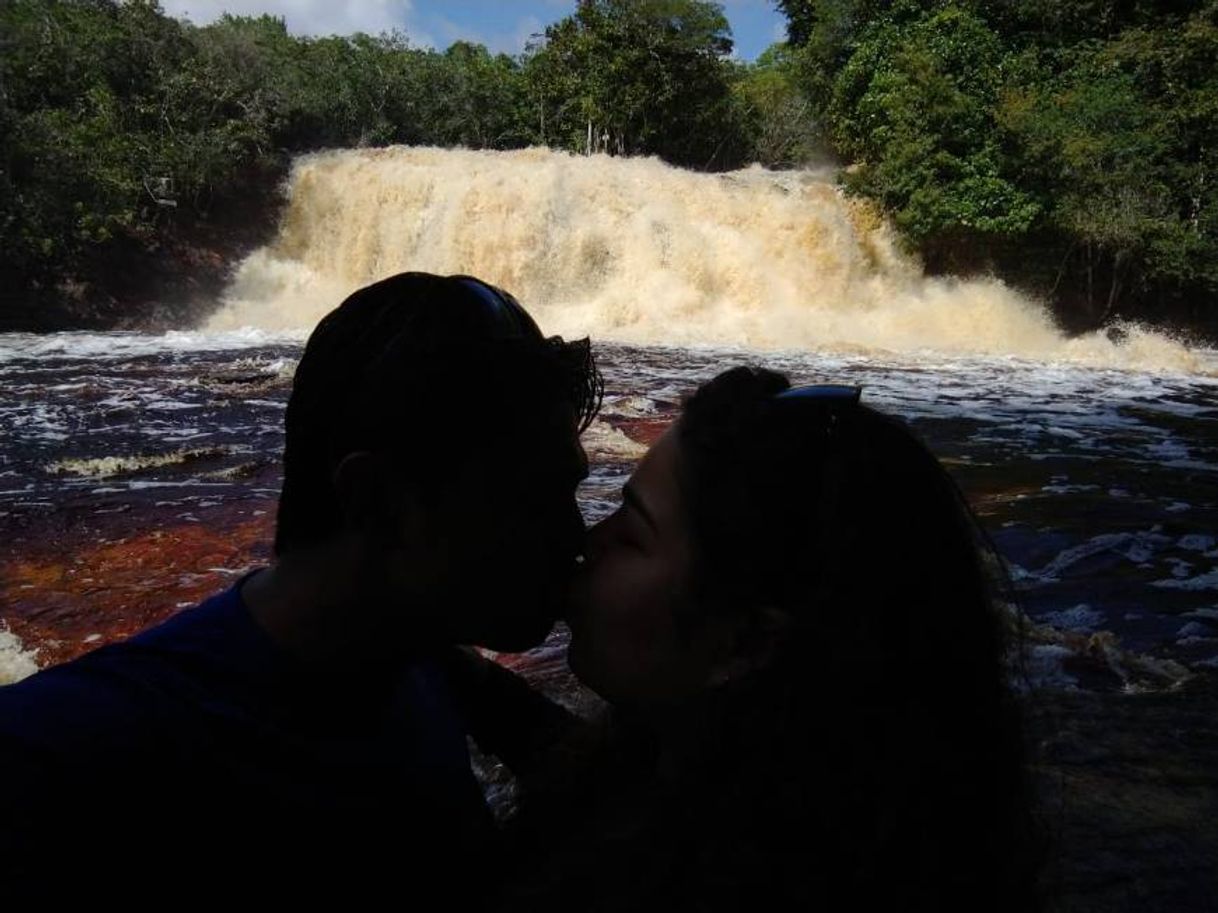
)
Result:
{"points": [[635, 251]]}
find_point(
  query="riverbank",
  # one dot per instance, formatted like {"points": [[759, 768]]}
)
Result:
{"points": [[164, 277], [1048, 269]]}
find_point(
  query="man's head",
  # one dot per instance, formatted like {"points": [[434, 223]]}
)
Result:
{"points": [[435, 429]]}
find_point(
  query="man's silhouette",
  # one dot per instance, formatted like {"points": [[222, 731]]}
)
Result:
{"points": [[296, 736]]}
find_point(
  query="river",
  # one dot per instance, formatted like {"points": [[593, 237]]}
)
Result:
{"points": [[139, 473]]}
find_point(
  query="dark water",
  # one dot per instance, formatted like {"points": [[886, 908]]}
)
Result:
{"points": [[1100, 487]]}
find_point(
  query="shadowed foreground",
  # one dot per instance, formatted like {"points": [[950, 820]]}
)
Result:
{"points": [[1129, 789]]}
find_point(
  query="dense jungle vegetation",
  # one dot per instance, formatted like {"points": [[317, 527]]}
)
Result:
{"points": [[1068, 146]]}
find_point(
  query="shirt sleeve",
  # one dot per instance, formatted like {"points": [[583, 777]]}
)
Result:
{"points": [[68, 737]]}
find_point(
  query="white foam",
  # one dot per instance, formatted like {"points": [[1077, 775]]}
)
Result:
{"points": [[1195, 630], [16, 662], [1197, 542], [103, 467], [636, 251], [1062, 489], [118, 345], [606, 442], [1206, 581], [1137, 547], [1077, 618]]}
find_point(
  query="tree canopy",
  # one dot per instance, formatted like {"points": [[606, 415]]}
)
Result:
{"points": [[1069, 145], [118, 122], [638, 77]]}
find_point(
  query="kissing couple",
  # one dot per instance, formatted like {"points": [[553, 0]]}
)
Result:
{"points": [[793, 619]]}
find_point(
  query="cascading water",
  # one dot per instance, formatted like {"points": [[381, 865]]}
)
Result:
{"points": [[635, 251]]}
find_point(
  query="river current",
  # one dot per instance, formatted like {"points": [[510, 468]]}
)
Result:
{"points": [[139, 474]]}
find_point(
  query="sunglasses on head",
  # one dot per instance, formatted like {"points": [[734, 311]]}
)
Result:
{"points": [[828, 394], [827, 404], [507, 320], [502, 311]]}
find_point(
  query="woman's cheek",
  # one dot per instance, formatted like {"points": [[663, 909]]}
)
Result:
{"points": [[599, 651], [641, 639]]}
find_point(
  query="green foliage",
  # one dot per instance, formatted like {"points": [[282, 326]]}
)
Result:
{"points": [[118, 123], [778, 115], [638, 77], [1073, 142], [108, 105], [1121, 140], [913, 105], [477, 100]]}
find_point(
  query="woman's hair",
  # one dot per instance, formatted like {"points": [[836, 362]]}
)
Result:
{"points": [[874, 752]]}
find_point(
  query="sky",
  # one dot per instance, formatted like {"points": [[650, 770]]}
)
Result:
{"points": [[501, 25]]}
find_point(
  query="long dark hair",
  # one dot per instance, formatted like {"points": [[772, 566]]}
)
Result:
{"points": [[874, 754]]}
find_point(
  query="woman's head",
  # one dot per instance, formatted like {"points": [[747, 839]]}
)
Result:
{"points": [[763, 522], [802, 573]]}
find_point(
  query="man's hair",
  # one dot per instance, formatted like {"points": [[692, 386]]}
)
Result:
{"points": [[427, 367]]}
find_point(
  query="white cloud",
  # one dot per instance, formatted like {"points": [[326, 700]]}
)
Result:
{"points": [[525, 29], [511, 41], [308, 17]]}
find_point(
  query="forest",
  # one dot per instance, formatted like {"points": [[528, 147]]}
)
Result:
{"points": [[1067, 147]]}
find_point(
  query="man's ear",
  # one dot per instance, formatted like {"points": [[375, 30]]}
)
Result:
{"points": [[372, 501]]}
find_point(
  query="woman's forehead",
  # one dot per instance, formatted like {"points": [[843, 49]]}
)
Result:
{"points": [[655, 478]]}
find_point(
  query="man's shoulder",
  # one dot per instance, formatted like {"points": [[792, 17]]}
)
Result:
{"points": [[117, 689]]}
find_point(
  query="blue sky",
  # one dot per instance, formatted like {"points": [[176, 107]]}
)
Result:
{"points": [[502, 25]]}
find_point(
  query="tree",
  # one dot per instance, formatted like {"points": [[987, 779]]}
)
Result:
{"points": [[635, 77], [1121, 142], [914, 106], [477, 99], [779, 119], [1071, 145]]}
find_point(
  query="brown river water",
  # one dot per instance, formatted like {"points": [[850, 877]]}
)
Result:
{"points": [[139, 474]]}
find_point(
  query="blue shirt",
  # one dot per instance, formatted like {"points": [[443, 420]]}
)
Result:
{"points": [[199, 753]]}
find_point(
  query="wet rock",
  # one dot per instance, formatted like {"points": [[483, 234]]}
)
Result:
{"points": [[1129, 796]]}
